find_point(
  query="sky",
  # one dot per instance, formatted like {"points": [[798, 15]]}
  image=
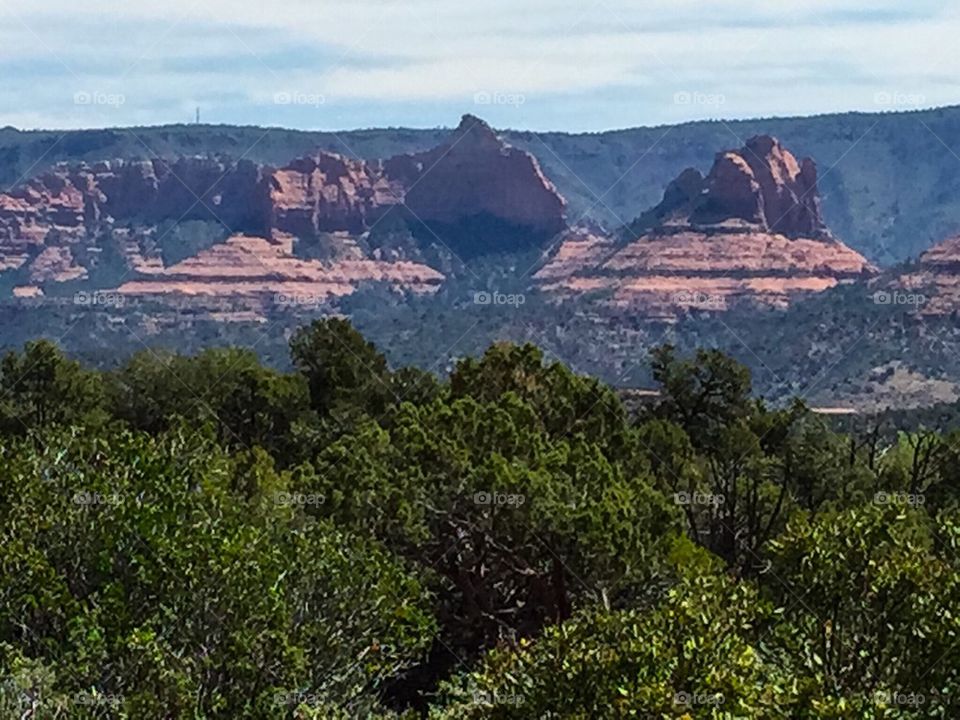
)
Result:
{"points": [[574, 65]]}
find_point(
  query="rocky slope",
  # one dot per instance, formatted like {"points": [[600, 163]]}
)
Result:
{"points": [[252, 270], [751, 230]]}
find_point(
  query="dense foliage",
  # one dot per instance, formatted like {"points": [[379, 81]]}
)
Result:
{"points": [[205, 537]]}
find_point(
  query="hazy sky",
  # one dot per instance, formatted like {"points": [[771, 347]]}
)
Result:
{"points": [[539, 64]]}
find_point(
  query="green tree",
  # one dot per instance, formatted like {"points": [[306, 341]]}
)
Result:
{"points": [[872, 598], [704, 394], [692, 656], [249, 405], [345, 374], [186, 581], [565, 403], [41, 387], [519, 527]]}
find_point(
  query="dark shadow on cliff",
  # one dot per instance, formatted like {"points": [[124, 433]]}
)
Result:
{"points": [[478, 235]]}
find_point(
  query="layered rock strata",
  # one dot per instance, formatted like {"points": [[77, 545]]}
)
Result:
{"points": [[750, 230], [472, 195]]}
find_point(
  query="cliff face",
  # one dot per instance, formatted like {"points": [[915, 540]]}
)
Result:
{"points": [[71, 207], [478, 194], [60, 227], [150, 192], [328, 193], [473, 194], [321, 193], [750, 230], [473, 185]]}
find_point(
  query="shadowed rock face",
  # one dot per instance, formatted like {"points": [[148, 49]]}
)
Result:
{"points": [[477, 194], [751, 229], [72, 202], [184, 189], [473, 193]]}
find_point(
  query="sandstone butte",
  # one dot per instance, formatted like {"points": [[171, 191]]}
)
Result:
{"points": [[751, 230], [476, 179], [56, 227]]}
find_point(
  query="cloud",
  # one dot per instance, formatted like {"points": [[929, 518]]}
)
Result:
{"points": [[424, 60]]}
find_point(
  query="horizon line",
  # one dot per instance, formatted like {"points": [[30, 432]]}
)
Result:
{"points": [[517, 131]]}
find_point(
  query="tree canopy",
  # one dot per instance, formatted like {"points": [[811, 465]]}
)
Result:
{"points": [[205, 537]]}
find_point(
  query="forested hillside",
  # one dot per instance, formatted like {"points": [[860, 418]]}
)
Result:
{"points": [[205, 537]]}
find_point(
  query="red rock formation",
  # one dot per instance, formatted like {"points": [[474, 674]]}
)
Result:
{"points": [[930, 288], [579, 251], [56, 263], [50, 221], [327, 193], [943, 257], [474, 182], [761, 184], [52, 205], [258, 273], [476, 177], [72, 204], [751, 229], [663, 275], [789, 203]]}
